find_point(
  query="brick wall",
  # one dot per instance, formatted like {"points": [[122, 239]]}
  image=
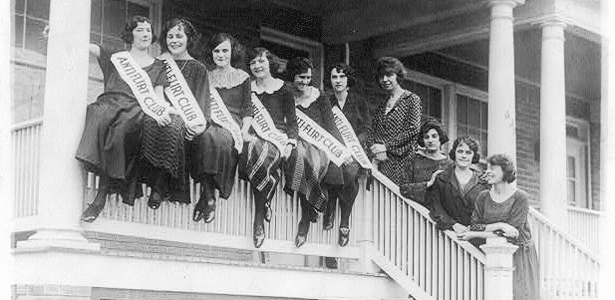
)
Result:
{"points": [[528, 140]]}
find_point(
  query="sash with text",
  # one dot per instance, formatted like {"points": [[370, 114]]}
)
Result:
{"points": [[264, 126], [323, 140], [221, 116], [350, 138]]}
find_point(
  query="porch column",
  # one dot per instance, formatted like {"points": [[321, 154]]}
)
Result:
{"points": [[502, 137], [61, 178], [553, 123]]}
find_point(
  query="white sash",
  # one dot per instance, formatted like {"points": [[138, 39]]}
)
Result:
{"points": [[221, 116], [264, 126], [350, 138], [183, 100], [323, 140], [140, 84]]}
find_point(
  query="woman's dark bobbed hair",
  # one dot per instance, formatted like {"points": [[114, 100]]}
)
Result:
{"points": [[472, 144], [429, 125], [507, 165], [274, 60], [297, 66], [347, 70], [131, 24], [237, 50], [390, 65], [192, 34]]}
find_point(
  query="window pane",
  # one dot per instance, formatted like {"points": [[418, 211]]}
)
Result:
{"points": [[38, 9], [474, 113], [462, 110], [18, 31], [435, 103], [570, 167], [571, 193], [34, 35], [19, 6], [113, 43], [114, 17], [96, 17], [137, 10], [96, 38], [484, 115]]}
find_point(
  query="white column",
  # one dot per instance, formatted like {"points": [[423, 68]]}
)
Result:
{"points": [[61, 179], [498, 268], [553, 123], [502, 136]]}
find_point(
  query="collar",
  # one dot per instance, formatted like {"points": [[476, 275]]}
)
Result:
{"points": [[277, 85], [227, 80], [306, 102]]}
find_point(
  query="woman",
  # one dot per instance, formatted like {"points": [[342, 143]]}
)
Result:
{"points": [[217, 151], [453, 193], [503, 209], [309, 171], [355, 110], [260, 160], [163, 147], [111, 142], [427, 163], [396, 122]]}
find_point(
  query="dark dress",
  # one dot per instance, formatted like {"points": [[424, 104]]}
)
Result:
{"points": [[418, 171], [513, 211], [308, 166], [111, 140], [397, 130], [165, 147], [449, 203], [214, 153], [260, 159]]}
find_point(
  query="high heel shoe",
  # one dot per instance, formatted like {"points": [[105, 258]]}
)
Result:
{"points": [[344, 236], [301, 237], [268, 212], [154, 199], [258, 237], [210, 211], [199, 209], [92, 212], [327, 221]]}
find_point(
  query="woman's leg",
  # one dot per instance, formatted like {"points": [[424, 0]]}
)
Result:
{"points": [[260, 201], [205, 208], [159, 189], [92, 212], [304, 223]]}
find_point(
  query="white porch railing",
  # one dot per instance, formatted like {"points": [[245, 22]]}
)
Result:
{"points": [[26, 139], [567, 269], [586, 225]]}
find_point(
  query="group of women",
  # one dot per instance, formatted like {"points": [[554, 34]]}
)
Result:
{"points": [[162, 120]]}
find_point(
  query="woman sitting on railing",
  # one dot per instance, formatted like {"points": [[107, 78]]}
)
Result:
{"points": [[451, 198], [275, 129], [396, 122], [111, 140], [216, 152], [503, 210], [421, 170], [310, 170], [163, 153]]}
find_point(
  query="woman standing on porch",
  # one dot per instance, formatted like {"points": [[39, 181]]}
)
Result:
{"points": [[111, 140], [451, 197], [261, 158], [216, 152], [503, 210], [309, 171], [396, 122]]}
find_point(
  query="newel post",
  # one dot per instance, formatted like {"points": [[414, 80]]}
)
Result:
{"points": [[498, 268], [364, 223]]}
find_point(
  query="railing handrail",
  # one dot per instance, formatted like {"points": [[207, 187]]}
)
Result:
{"points": [[467, 246], [566, 236], [586, 210], [25, 124]]}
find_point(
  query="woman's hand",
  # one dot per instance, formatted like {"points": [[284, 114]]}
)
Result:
{"points": [[288, 149], [381, 156], [466, 236], [433, 177], [245, 134], [458, 228], [348, 160], [377, 148], [509, 230], [165, 119]]}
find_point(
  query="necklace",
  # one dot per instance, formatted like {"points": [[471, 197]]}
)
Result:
{"points": [[183, 65]]}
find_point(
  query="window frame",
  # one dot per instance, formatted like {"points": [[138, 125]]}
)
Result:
{"points": [[583, 141]]}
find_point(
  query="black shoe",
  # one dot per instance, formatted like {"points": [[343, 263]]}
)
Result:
{"points": [[210, 211], [330, 262], [268, 212], [154, 199], [258, 237], [344, 236], [300, 239], [327, 222], [199, 209], [92, 212]]}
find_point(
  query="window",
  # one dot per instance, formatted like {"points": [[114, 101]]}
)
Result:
{"points": [[31, 17], [472, 120], [431, 98], [577, 163]]}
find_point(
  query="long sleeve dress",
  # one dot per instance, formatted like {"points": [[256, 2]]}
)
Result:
{"points": [[513, 211], [449, 202], [418, 171], [308, 166], [111, 140], [397, 130], [214, 154], [260, 160], [165, 147]]}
